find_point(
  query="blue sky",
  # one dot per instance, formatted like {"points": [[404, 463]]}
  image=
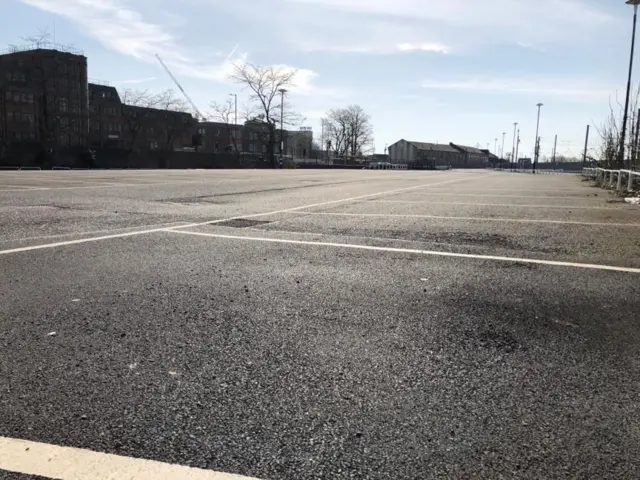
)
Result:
{"points": [[427, 70]]}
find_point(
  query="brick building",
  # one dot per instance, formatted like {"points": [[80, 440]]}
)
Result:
{"points": [[44, 96], [216, 137], [106, 122], [46, 101], [430, 155]]}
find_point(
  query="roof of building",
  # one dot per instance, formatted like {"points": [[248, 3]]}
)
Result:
{"points": [[442, 147], [466, 149]]}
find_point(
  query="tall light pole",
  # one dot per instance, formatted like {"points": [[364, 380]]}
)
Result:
{"points": [[623, 134], [536, 152], [513, 148], [517, 148], [282, 92], [504, 134], [235, 122], [235, 96]]}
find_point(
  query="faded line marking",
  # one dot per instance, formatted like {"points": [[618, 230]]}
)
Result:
{"points": [[330, 202], [413, 251], [473, 219], [94, 232], [509, 205], [501, 196], [66, 463], [191, 225]]}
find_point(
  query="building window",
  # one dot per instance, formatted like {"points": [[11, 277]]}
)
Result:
{"points": [[201, 131], [153, 145], [62, 104]]}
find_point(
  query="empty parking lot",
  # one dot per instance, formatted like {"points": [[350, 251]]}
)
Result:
{"points": [[318, 324]]}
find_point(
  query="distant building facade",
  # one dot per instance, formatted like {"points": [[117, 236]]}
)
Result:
{"points": [[44, 96], [46, 100], [430, 155]]}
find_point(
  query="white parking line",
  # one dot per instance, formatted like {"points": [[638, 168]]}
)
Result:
{"points": [[447, 194], [65, 463], [95, 232], [509, 205], [412, 251], [473, 219], [144, 232]]}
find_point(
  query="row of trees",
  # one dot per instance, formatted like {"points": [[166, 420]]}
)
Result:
{"points": [[346, 131], [610, 135]]}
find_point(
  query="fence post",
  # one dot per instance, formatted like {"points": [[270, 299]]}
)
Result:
{"points": [[619, 185], [630, 182]]}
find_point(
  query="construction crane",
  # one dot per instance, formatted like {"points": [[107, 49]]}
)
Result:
{"points": [[200, 117]]}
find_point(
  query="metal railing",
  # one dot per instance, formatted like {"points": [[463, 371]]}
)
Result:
{"points": [[622, 180], [41, 46]]}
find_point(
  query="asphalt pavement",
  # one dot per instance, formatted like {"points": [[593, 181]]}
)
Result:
{"points": [[319, 324]]}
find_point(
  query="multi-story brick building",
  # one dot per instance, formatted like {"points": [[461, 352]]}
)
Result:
{"points": [[44, 96], [106, 122], [47, 102], [216, 137]]}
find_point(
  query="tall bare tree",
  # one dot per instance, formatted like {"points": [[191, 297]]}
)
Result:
{"points": [[350, 131], [609, 132], [137, 120], [175, 125], [225, 113], [265, 84], [134, 120]]}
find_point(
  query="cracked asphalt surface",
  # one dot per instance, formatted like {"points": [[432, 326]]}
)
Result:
{"points": [[306, 361]]}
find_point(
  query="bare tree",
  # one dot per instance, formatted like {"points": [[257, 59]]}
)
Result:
{"points": [[178, 119], [41, 38], [134, 119], [225, 113], [350, 131], [609, 132], [265, 84], [165, 112]]}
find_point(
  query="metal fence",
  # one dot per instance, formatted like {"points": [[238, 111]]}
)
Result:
{"points": [[621, 180]]}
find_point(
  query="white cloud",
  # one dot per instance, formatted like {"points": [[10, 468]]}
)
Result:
{"points": [[570, 88], [422, 47], [136, 81], [124, 30], [378, 26]]}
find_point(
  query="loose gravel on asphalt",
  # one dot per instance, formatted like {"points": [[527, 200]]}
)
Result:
{"points": [[236, 321]]}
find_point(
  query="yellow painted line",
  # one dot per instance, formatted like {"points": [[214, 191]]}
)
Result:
{"points": [[412, 251], [65, 463]]}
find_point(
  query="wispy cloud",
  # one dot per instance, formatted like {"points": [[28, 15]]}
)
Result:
{"points": [[124, 30], [570, 88], [422, 47], [136, 81]]}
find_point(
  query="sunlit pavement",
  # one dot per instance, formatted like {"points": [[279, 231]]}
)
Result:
{"points": [[317, 324]]}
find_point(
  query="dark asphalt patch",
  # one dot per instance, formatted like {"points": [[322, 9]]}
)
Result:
{"points": [[242, 223]]}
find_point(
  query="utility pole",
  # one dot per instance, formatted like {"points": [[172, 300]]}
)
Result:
{"points": [[282, 92], [622, 146], [536, 152], [515, 160], [635, 142], [504, 134], [513, 148], [555, 144], [586, 145]]}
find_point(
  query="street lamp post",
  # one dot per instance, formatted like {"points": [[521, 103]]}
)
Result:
{"points": [[235, 96], [623, 134], [536, 151], [504, 134], [235, 121], [513, 148], [282, 92]]}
